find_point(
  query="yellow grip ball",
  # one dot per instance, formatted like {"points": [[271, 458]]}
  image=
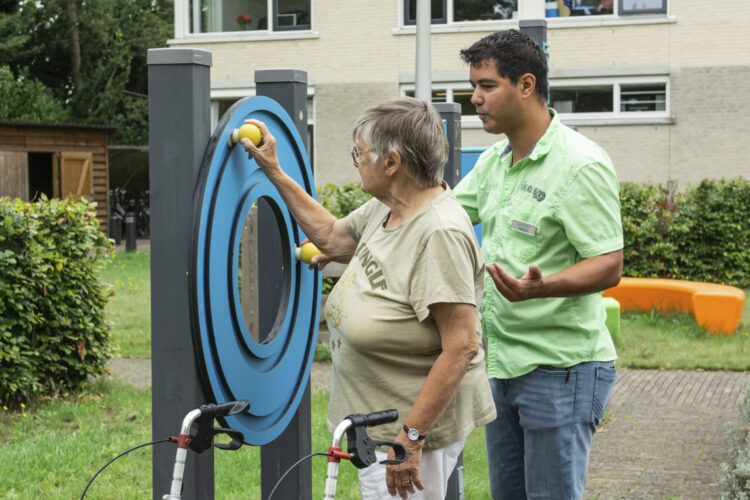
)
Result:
{"points": [[306, 252], [249, 131]]}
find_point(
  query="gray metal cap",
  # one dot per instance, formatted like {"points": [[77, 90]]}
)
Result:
{"points": [[178, 56]]}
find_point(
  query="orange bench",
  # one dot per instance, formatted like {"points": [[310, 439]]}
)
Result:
{"points": [[717, 308]]}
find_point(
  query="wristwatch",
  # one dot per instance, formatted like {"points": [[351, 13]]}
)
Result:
{"points": [[413, 434]]}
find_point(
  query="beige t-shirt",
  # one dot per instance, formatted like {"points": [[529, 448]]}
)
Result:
{"points": [[383, 339]]}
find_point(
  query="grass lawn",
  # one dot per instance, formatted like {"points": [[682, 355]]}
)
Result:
{"points": [[60, 444], [653, 340], [129, 310]]}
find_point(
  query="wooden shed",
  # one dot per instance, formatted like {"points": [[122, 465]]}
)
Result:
{"points": [[59, 160]]}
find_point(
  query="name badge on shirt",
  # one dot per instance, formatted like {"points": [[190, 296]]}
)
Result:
{"points": [[523, 227]]}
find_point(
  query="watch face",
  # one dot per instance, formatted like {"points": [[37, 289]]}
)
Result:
{"points": [[413, 434]]}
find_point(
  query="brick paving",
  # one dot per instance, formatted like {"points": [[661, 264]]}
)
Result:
{"points": [[667, 435], [665, 438]]}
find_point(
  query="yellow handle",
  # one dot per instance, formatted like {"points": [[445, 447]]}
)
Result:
{"points": [[306, 252]]}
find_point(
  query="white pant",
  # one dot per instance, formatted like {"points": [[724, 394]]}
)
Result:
{"points": [[435, 469]]}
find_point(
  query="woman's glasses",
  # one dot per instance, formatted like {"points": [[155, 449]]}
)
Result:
{"points": [[356, 153]]}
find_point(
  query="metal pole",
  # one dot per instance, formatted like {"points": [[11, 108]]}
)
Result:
{"points": [[536, 29], [179, 129], [288, 87], [450, 112], [423, 82]]}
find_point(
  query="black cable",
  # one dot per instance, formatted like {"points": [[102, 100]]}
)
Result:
{"points": [[118, 456], [295, 464]]}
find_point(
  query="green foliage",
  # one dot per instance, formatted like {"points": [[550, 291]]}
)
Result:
{"points": [[736, 480], [114, 36], [52, 330], [322, 352], [702, 235], [340, 201], [28, 100]]}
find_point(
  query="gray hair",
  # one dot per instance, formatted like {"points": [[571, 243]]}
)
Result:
{"points": [[414, 129]]}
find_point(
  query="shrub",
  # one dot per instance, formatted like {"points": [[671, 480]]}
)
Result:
{"points": [[52, 330], [715, 236], [340, 201], [736, 480], [647, 217], [702, 235]]}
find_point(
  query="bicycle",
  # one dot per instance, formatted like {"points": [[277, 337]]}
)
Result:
{"points": [[197, 434]]}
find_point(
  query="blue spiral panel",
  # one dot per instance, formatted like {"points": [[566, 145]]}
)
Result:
{"points": [[271, 375]]}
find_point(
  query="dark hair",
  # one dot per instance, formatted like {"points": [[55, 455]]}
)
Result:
{"points": [[514, 54]]}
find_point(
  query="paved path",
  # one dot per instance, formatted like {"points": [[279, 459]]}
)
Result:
{"points": [[667, 435], [665, 439]]}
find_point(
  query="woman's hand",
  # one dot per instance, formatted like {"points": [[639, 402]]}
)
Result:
{"points": [[264, 153], [318, 262], [402, 479]]}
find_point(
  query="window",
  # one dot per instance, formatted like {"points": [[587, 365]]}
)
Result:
{"points": [[459, 92], [566, 8], [611, 98], [212, 16], [643, 6], [456, 11], [644, 97], [589, 99]]}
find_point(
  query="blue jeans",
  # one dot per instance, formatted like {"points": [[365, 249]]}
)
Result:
{"points": [[538, 447]]}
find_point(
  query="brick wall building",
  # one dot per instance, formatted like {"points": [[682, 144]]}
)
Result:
{"points": [[661, 84]]}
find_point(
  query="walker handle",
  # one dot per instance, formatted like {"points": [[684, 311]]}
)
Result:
{"points": [[374, 418]]}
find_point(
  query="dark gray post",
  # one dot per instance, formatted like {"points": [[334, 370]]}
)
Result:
{"points": [[450, 112], [535, 28], [537, 31], [179, 129], [288, 87]]}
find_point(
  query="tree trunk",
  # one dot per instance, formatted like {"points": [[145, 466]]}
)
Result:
{"points": [[75, 47]]}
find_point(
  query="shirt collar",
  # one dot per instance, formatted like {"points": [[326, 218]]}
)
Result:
{"points": [[544, 143]]}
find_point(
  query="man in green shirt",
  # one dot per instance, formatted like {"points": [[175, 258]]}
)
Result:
{"points": [[548, 201]]}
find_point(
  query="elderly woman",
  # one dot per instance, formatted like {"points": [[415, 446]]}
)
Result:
{"points": [[403, 318]]}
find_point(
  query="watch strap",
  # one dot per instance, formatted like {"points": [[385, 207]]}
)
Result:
{"points": [[421, 436]]}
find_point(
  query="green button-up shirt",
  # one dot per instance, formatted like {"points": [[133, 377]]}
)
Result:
{"points": [[553, 208]]}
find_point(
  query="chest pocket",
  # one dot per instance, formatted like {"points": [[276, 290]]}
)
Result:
{"points": [[522, 228]]}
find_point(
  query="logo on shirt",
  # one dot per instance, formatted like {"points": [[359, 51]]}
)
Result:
{"points": [[371, 267], [535, 192]]}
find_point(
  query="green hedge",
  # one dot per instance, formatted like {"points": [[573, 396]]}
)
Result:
{"points": [[340, 201], [52, 330], [703, 234]]}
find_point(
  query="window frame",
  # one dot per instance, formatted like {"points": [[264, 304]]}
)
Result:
{"points": [[617, 18], [621, 10], [184, 33], [616, 116], [467, 121], [447, 19], [278, 28]]}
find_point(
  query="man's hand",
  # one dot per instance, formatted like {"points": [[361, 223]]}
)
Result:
{"points": [[590, 275], [530, 286], [401, 479]]}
